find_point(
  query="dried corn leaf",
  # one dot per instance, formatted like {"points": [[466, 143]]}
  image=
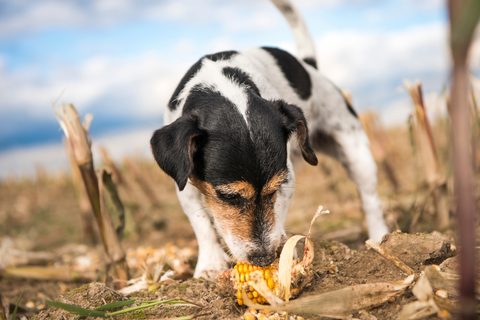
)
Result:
{"points": [[422, 289], [428, 303], [418, 310], [46, 273], [285, 266], [340, 303]]}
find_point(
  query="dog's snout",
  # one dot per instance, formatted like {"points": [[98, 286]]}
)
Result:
{"points": [[261, 260]]}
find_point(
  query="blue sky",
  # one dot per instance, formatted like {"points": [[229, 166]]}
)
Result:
{"points": [[121, 59]]}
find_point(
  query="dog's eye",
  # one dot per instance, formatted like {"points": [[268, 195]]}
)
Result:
{"points": [[228, 195], [232, 198]]}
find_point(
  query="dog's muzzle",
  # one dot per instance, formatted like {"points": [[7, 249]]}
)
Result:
{"points": [[261, 258]]}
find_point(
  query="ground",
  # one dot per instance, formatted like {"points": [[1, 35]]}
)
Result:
{"points": [[43, 214]]}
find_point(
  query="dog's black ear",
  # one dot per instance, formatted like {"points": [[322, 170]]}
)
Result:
{"points": [[174, 146], [295, 121]]}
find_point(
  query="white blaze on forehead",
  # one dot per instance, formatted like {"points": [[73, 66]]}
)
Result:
{"points": [[211, 76]]}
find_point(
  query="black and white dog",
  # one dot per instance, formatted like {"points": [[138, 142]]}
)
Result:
{"points": [[227, 144]]}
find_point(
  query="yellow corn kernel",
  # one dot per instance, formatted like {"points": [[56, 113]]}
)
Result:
{"points": [[250, 268], [254, 300], [251, 288], [239, 295], [261, 316], [250, 296], [236, 267], [268, 274], [247, 277], [242, 278], [255, 294], [270, 283], [265, 311], [249, 316], [240, 302], [237, 277]]}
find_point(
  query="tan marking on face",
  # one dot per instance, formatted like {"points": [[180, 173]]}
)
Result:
{"points": [[243, 188], [234, 220], [274, 183], [240, 222]]}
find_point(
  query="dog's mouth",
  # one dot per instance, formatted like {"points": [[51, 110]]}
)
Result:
{"points": [[262, 260]]}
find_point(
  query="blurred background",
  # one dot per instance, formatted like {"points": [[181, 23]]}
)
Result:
{"points": [[121, 61]]}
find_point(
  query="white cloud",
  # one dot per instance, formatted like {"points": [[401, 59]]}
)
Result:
{"points": [[148, 80], [34, 16], [52, 157], [184, 46], [355, 57], [30, 16]]}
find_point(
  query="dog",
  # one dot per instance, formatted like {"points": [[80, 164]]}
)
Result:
{"points": [[227, 141]]}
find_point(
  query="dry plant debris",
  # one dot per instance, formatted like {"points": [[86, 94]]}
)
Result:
{"points": [[152, 262]]}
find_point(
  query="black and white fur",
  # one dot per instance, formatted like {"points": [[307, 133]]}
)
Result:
{"points": [[228, 125]]}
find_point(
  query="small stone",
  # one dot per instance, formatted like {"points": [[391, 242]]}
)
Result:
{"points": [[30, 305]]}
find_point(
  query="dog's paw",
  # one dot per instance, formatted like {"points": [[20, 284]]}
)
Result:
{"points": [[208, 268], [376, 234], [207, 274]]}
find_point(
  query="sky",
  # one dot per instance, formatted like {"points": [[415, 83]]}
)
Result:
{"points": [[122, 59]]}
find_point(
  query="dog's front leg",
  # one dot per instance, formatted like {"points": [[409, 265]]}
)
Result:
{"points": [[211, 257], [358, 160]]}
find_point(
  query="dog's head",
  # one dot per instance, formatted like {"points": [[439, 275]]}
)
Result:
{"points": [[238, 161]]}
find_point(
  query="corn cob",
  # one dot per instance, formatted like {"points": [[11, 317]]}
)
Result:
{"points": [[285, 277], [242, 272], [240, 275]]}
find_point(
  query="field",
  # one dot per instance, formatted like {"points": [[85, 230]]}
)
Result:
{"points": [[41, 225]]}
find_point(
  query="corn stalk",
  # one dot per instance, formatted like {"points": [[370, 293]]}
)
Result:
{"points": [[428, 153], [2, 310], [108, 162], [82, 196], [142, 181], [464, 15], [80, 143], [378, 144]]}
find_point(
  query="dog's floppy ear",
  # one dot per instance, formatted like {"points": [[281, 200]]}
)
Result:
{"points": [[295, 121], [174, 146]]}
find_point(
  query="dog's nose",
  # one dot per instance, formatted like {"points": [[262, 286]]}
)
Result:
{"points": [[261, 260]]}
